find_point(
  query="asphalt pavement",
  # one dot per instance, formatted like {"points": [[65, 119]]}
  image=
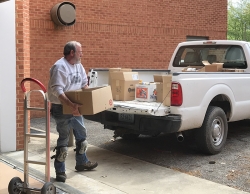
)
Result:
{"points": [[116, 173]]}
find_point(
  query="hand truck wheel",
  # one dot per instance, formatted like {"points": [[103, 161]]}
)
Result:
{"points": [[48, 188], [14, 185]]}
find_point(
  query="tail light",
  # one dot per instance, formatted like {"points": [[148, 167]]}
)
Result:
{"points": [[176, 94]]}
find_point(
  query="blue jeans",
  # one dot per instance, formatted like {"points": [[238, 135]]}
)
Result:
{"points": [[63, 125]]}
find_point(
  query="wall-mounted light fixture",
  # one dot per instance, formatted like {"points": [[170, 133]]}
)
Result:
{"points": [[63, 14]]}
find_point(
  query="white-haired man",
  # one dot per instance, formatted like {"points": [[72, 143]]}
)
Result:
{"points": [[65, 75]]}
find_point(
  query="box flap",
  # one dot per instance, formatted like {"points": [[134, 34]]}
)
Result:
{"points": [[157, 78], [120, 69], [117, 69], [206, 63], [118, 75], [162, 78]]}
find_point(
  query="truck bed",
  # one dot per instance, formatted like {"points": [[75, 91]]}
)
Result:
{"points": [[142, 108]]}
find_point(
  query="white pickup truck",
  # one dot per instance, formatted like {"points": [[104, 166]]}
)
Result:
{"points": [[202, 103]]}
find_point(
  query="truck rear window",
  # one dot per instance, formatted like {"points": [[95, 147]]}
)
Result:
{"points": [[193, 55]]}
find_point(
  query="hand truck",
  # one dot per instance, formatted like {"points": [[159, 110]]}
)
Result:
{"points": [[16, 186]]}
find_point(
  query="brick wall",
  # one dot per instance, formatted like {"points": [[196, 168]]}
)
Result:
{"points": [[135, 34], [130, 33], [22, 62]]}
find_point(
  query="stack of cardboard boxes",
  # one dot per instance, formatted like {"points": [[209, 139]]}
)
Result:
{"points": [[122, 82], [126, 86]]}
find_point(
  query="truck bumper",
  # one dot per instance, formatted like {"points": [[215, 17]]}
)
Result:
{"points": [[143, 124]]}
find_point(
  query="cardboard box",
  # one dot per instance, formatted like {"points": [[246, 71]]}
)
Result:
{"points": [[194, 69], [117, 69], [123, 85], [93, 100], [123, 90], [145, 92], [163, 88], [118, 75], [214, 67]]}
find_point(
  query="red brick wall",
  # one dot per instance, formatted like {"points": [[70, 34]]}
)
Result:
{"points": [[130, 33], [135, 34], [23, 63]]}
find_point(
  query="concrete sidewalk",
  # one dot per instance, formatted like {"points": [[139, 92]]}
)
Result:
{"points": [[116, 174], [8, 172]]}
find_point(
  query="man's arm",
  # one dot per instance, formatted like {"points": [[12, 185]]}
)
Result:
{"points": [[85, 87], [74, 106]]}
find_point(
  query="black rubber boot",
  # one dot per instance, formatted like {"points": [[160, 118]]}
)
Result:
{"points": [[88, 166], [61, 177]]}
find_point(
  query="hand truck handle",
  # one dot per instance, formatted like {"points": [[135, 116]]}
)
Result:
{"points": [[33, 80]]}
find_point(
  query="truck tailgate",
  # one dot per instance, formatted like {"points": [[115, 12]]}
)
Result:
{"points": [[142, 108]]}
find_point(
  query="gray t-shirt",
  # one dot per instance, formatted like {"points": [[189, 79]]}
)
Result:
{"points": [[65, 77]]}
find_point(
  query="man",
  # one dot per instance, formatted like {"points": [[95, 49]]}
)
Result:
{"points": [[65, 75]]}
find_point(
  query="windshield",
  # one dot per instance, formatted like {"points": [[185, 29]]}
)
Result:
{"points": [[196, 55]]}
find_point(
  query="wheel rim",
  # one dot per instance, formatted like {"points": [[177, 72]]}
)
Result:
{"points": [[50, 189], [217, 131], [15, 188], [14, 185]]}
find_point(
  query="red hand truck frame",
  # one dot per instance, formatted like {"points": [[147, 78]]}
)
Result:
{"points": [[16, 185]]}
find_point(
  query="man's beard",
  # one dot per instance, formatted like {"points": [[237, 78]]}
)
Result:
{"points": [[77, 60]]}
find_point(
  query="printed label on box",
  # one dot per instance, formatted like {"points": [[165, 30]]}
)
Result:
{"points": [[145, 92], [142, 93]]}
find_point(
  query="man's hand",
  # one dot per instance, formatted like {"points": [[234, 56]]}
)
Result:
{"points": [[74, 106], [75, 109], [85, 87]]}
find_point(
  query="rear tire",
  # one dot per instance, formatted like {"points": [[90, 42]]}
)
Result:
{"points": [[212, 135]]}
